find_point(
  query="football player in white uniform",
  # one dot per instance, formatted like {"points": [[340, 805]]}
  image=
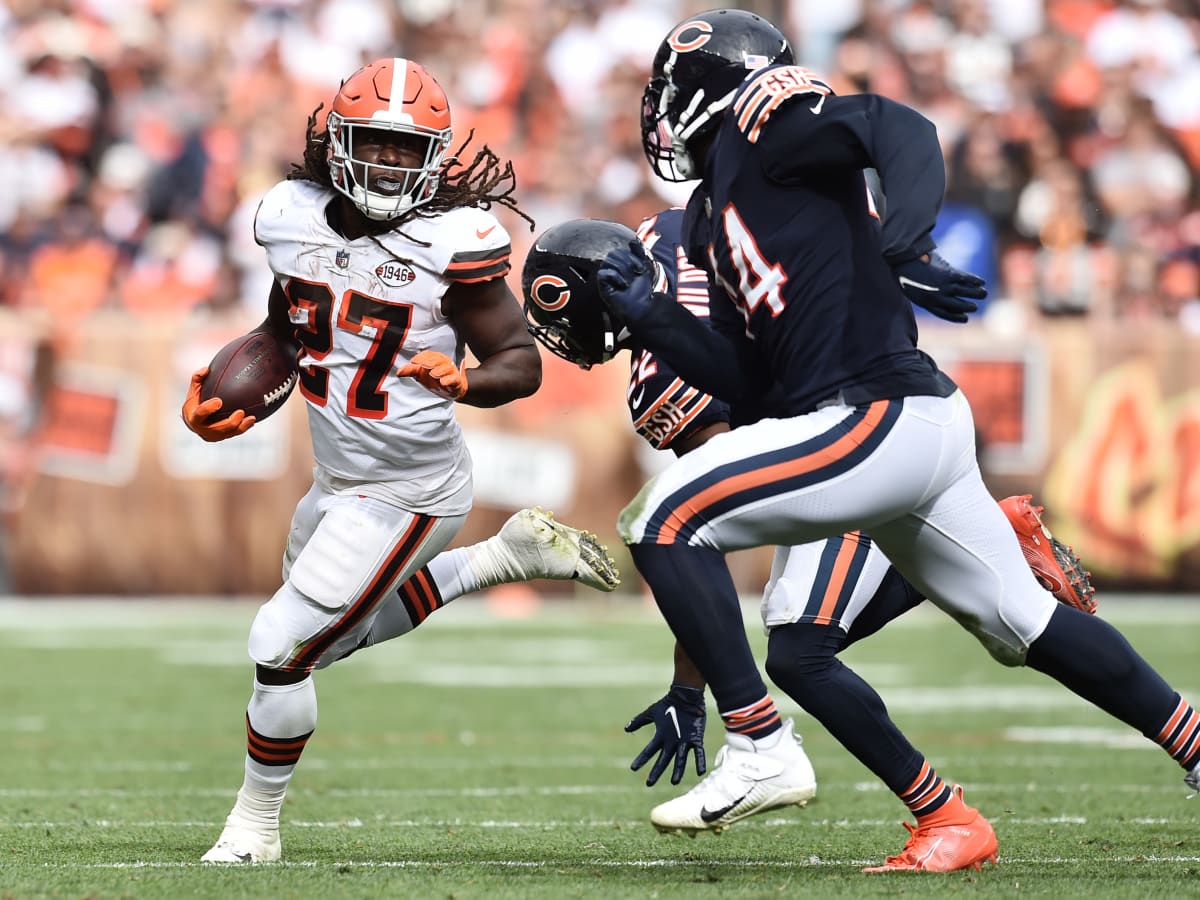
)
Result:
{"points": [[387, 263]]}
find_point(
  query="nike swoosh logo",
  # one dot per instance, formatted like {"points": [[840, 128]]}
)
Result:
{"points": [[484, 233], [925, 857], [712, 815], [908, 282], [1047, 578], [637, 398], [674, 721]]}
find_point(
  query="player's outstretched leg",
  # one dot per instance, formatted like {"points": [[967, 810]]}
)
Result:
{"points": [[1092, 658], [748, 777], [533, 544], [1053, 563]]}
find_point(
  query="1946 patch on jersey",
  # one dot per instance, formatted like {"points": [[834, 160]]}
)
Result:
{"points": [[394, 273]]}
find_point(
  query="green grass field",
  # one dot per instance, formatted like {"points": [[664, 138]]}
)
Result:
{"points": [[485, 757]]}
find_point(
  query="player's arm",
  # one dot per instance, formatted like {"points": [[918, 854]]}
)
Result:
{"points": [[864, 131], [277, 321], [488, 318], [860, 131], [195, 413], [668, 330]]}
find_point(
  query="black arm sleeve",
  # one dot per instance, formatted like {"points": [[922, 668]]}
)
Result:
{"points": [[277, 321], [863, 131], [701, 356]]}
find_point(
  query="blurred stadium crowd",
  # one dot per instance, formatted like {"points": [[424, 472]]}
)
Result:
{"points": [[138, 135]]}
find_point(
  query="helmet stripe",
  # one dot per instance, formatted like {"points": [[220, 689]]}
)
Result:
{"points": [[399, 78]]}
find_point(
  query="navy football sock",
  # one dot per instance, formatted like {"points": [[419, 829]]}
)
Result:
{"points": [[1094, 660], [801, 660], [697, 597]]}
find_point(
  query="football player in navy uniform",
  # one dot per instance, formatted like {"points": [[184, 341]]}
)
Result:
{"points": [[843, 583], [809, 301]]}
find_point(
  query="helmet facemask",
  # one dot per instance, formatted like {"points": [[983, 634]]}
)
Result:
{"points": [[559, 338], [564, 309], [354, 177], [696, 72]]}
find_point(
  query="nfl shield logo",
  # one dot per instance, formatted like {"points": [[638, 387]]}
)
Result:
{"points": [[342, 259]]}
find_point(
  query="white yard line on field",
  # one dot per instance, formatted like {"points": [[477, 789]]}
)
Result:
{"points": [[153, 613], [831, 788], [808, 862], [800, 820]]}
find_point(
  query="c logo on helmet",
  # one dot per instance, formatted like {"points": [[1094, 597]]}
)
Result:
{"points": [[558, 299], [679, 45]]}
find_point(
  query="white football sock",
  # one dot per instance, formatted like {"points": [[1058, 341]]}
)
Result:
{"points": [[769, 741], [278, 711], [453, 573]]}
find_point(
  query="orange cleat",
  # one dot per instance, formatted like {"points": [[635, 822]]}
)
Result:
{"points": [[1054, 564], [945, 846]]}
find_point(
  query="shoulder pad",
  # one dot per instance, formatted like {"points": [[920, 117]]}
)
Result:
{"points": [[482, 247], [767, 90]]}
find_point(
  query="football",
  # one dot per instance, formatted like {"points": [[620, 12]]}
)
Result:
{"points": [[255, 372]]}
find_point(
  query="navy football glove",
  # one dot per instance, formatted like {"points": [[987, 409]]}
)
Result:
{"points": [[937, 286], [678, 720], [626, 280]]}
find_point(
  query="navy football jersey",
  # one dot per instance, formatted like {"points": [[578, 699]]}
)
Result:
{"points": [[798, 262], [663, 407]]}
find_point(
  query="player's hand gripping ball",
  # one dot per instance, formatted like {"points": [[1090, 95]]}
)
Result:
{"points": [[248, 380]]}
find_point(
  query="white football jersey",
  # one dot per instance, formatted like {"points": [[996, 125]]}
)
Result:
{"points": [[362, 309]]}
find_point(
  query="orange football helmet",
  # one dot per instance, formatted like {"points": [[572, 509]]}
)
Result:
{"points": [[392, 94]]}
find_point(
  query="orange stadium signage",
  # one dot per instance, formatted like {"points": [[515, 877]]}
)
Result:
{"points": [[1126, 489]]}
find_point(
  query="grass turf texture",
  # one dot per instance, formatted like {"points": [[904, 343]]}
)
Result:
{"points": [[484, 757]]}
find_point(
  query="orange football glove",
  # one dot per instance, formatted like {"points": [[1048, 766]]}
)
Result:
{"points": [[195, 413], [437, 372]]}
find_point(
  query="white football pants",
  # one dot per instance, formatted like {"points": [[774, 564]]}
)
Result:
{"points": [[903, 470], [346, 554]]}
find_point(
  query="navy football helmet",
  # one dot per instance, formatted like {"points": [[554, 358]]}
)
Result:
{"points": [[697, 69], [563, 307]]}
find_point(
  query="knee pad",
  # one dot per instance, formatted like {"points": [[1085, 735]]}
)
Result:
{"points": [[1018, 620], [271, 643], [631, 523]]}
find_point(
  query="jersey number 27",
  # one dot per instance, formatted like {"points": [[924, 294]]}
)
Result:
{"points": [[365, 399]]}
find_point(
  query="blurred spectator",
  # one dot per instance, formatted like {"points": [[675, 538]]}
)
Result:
{"points": [[986, 171], [137, 136], [72, 273], [28, 368], [1140, 173], [175, 269]]}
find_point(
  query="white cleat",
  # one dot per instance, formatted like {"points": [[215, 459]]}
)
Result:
{"points": [[244, 845], [745, 781], [1192, 780], [534, 545]]}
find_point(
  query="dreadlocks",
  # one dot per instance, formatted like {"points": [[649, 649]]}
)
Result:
{"points": [[486, 181]]}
